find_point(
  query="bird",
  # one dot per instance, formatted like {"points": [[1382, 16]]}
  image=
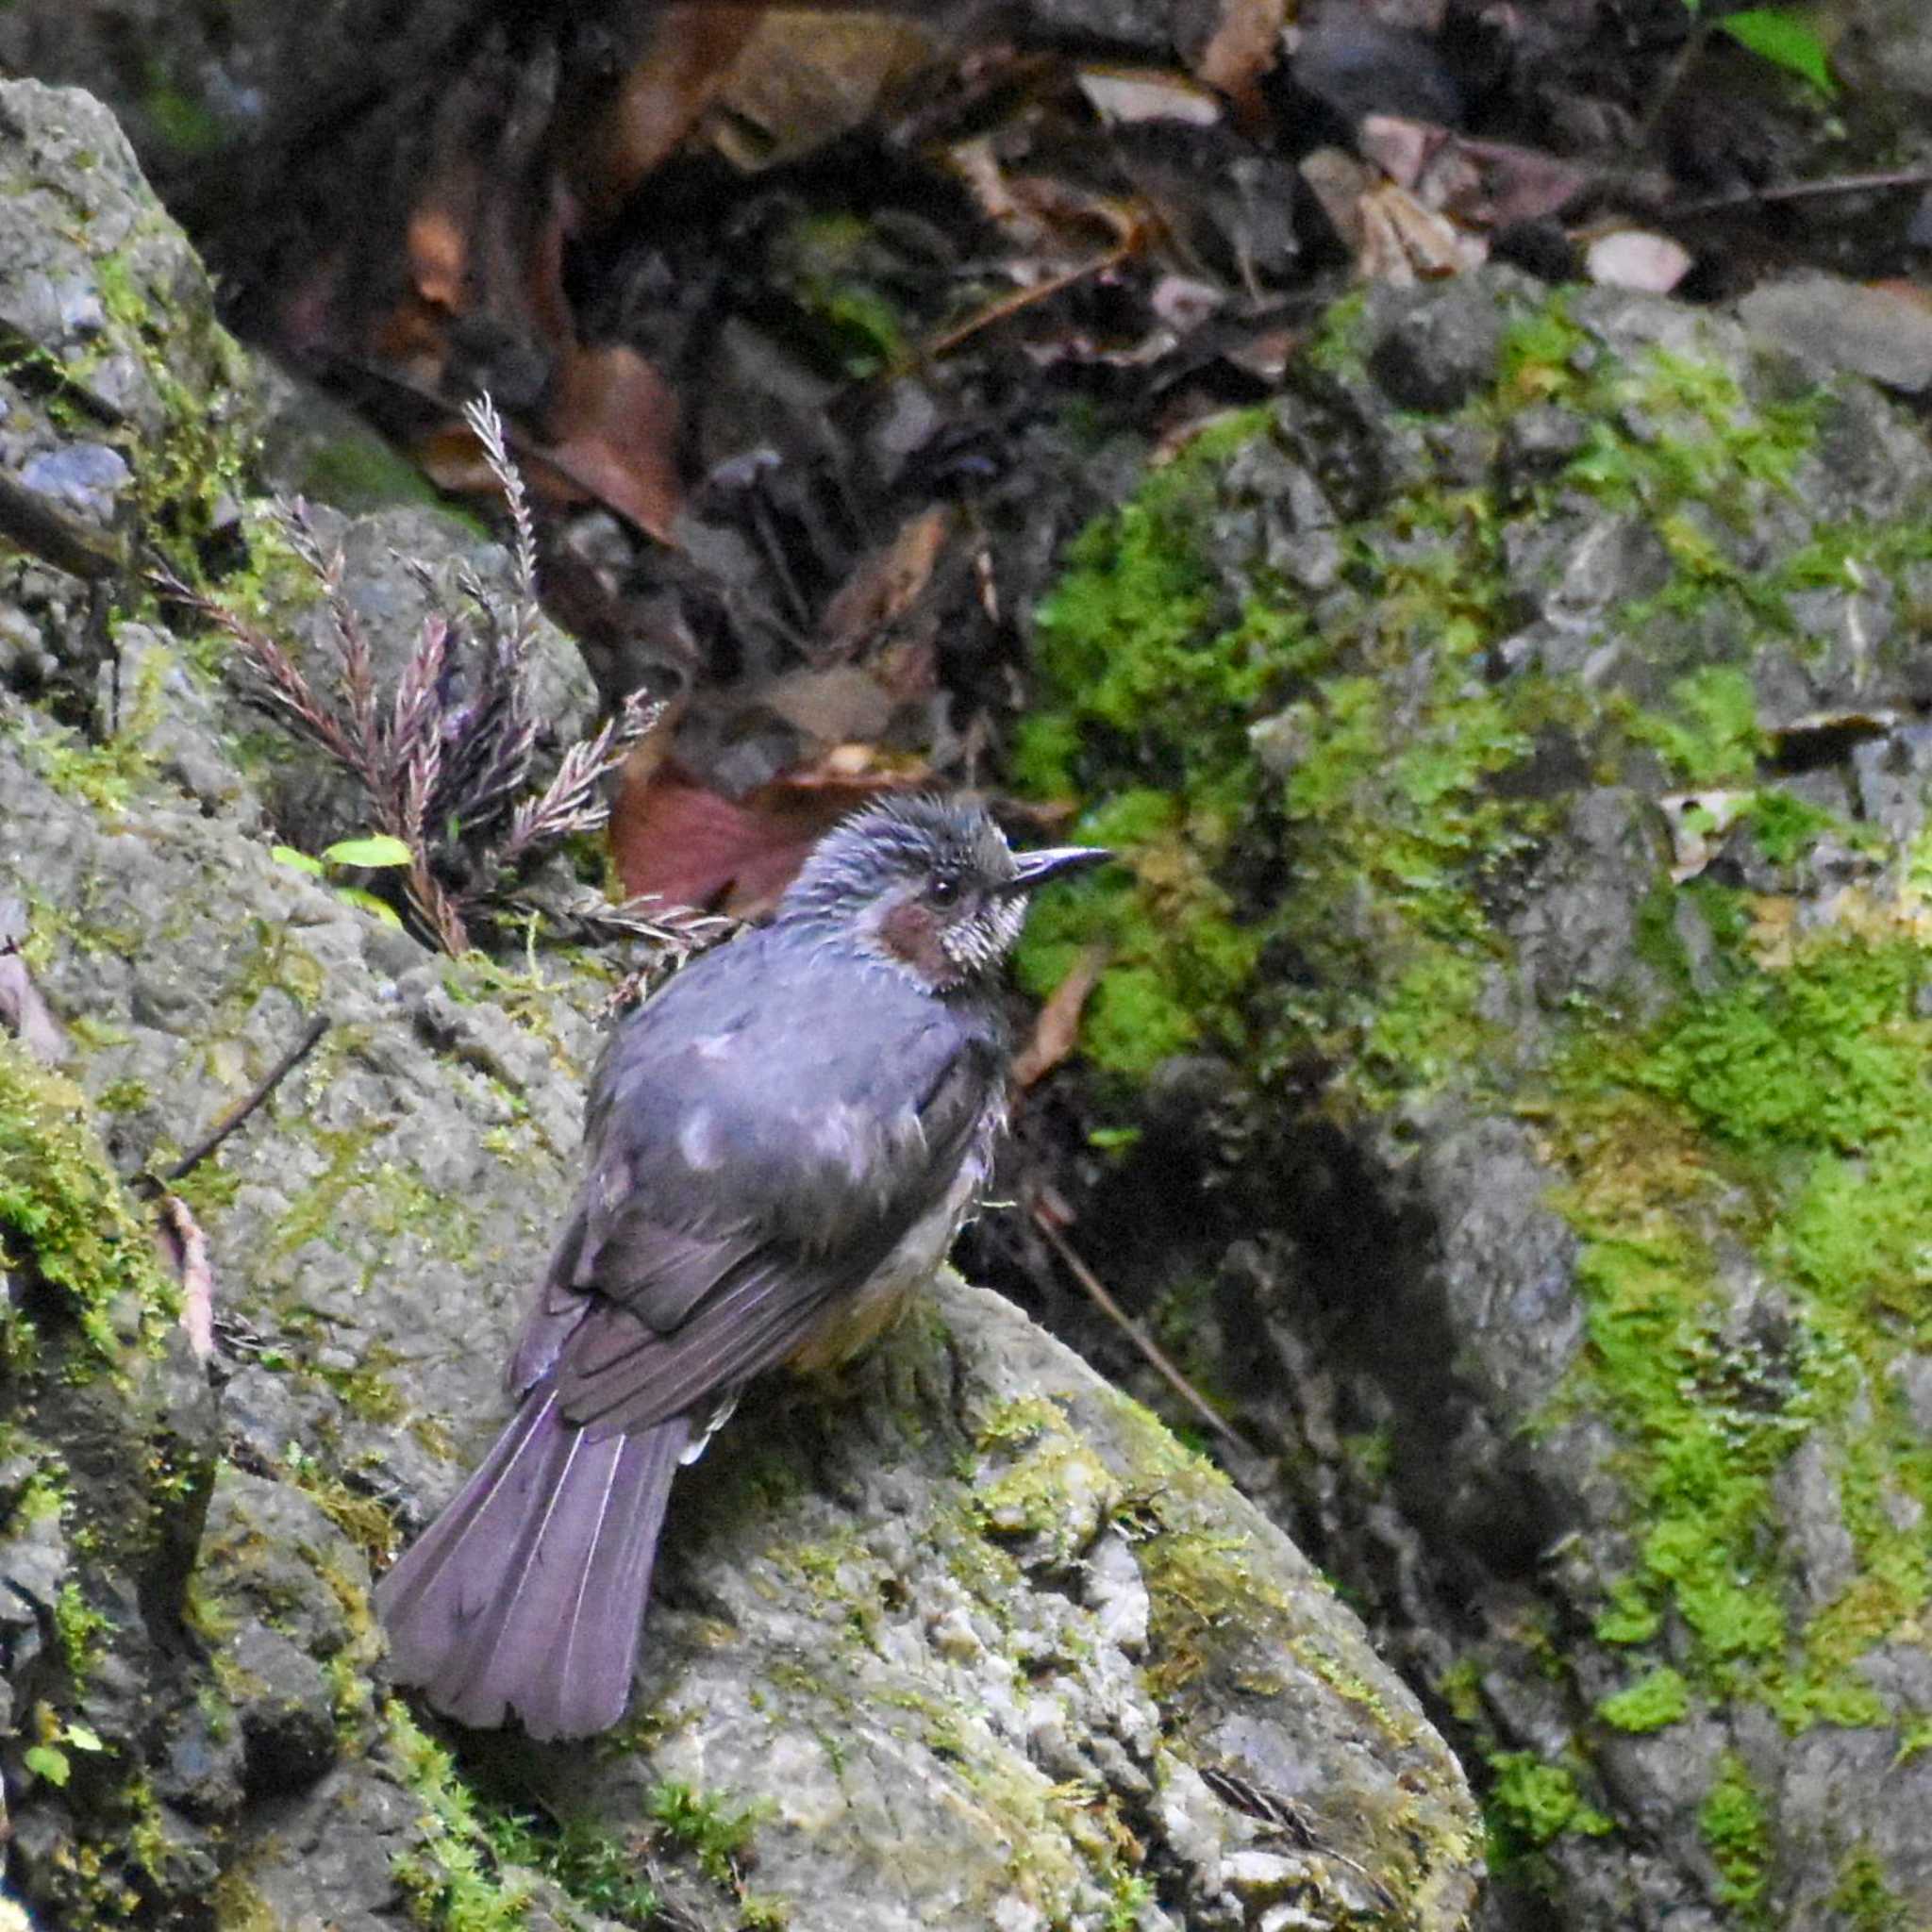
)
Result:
{"points": [[779, 1147]]}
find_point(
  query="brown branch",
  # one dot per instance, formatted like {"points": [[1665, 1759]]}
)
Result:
{"points": [[1156, 1358], [1012, 305], [237, 1115], [1797, 190]]}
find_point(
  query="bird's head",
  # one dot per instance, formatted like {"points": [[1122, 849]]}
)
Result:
{"points": [[928, 883]]}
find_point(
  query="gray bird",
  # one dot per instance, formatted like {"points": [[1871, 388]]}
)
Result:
{"points": [[779, 1147]]}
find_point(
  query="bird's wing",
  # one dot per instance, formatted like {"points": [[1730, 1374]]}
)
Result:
{"points": [[742, 1178]]}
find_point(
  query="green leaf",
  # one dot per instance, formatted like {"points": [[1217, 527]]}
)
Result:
{"points": [[377, 849], [1786, 40], [377, 908], [287, 854], [48, 1761], [81, 1737]]}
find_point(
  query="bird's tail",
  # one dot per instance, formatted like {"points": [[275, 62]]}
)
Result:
{"points": [[527, 1592]]}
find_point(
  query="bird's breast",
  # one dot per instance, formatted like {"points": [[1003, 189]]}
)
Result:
{"points": [[857, 1320]]}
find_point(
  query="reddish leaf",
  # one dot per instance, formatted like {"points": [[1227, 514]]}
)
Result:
{"points": [[689, 59], [691, 846], [613, 434]]}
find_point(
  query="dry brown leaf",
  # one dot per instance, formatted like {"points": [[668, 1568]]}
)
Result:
{"points": [[1244, 45], [805, 77], [614, 430], [664, 97], [1484, 184], [885, 585], [1403, 241], [1056, 1029], [692, 846]]}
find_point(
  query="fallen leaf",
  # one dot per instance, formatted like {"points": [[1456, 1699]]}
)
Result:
{"points": [[612, 431], [1244, 45], [1636, 258], [885, 584], [1125, 95], [1403, 241], [1483, 183], [1056, 1029], [805, 76], [689, 845], [664, 95]]}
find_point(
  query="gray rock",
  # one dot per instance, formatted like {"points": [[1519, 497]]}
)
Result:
{"points": [[1577, 1077], [1433, 347], [962, 1641]]}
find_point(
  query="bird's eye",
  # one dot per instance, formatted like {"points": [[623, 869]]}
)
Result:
{"points": [[944, 891]]}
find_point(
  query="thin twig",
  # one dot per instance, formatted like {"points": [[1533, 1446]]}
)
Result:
{"points": [[237, 1115], [1797, 190], [1135, 1333], [1021, 298], [1681, 63]]}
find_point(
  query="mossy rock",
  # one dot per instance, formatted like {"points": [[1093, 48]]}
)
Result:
{"points": [[1525, 798]]}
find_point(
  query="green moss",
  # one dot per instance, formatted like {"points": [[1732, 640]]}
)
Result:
{"points": [[449, 1872], [1530, 1804], [1785, 1115], [1040, 1480], [79, 1628], [599, 1868], [183, 476], [1651, 1704], [1786, 825], [66, 1219], [1545, 355], [1736, 1827], [360, 1516], [1864, 1898], [106, 776], [1707, 729], [713, 1831], [1329, 807], [361, 471]]}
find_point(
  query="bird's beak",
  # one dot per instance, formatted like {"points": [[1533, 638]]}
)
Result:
{"points": [[1034, 868]]}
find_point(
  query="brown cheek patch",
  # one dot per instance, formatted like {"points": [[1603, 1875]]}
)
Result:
{"points": [[912, 933]]}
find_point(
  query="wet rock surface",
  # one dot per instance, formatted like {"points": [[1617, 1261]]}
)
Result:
{"points": [[969, 1640]]}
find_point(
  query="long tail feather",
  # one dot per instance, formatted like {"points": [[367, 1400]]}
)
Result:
{"points": [[527, 1592]]}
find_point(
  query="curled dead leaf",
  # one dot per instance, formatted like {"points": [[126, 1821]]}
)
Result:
{"points": [[1056, 1029]]}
